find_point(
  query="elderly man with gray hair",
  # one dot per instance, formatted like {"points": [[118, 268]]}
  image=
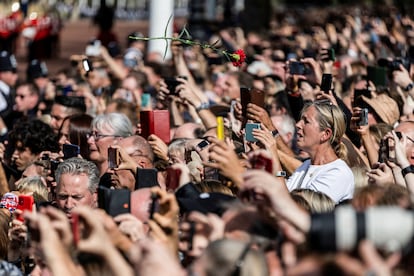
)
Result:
{"points": [[77, 182]]}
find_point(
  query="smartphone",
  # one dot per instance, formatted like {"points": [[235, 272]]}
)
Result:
{"points": [[391, 150], [70, 150], [87, 66], [53, 166], [113, 158], [172, 84], [363, 117], [202, 145], [154, 206], [146, 178], [114, 202], [260, 162], [328, 54], [358, 101], [297, 68], [253, 95], [326, 83], [145, 100], [25, 204], [173, 178], [378, 75], [249, 131]]}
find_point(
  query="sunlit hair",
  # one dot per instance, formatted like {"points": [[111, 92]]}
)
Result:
{"points": [[35, 185], [233, 257], [79, 166], [318, 201], [330, 116], [117, 123]]}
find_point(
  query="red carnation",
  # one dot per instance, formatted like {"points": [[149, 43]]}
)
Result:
{"points": [[238, 57]]}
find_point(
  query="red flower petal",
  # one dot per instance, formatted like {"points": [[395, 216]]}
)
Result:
{"points": [[238, 57]]}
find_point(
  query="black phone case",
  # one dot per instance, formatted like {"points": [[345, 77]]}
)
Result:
{"points": [[146, 178]]}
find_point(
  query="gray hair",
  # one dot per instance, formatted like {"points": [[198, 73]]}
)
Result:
{"points": [[118, 123], [77, 166], [288, 124]]}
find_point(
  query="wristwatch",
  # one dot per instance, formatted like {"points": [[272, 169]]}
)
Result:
{"points": [[280, 174], [275, 132], [407, 170], [202, 106]]}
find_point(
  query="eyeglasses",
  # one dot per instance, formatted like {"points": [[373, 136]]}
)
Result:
{"points": [[96, 136], [240, 260], [399, 135]]}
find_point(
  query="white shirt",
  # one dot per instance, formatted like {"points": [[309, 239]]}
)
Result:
{"points": [[4, 88], [334, 179]]}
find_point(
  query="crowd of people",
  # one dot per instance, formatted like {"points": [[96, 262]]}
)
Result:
{"points": [[297, 161]]}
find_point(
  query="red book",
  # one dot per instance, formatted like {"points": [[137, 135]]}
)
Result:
{"points": [[155, 122]]}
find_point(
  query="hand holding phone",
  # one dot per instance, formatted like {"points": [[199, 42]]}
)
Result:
{"points": [[70, 150], [326, 83], [249, 131], [363, 117], [113, 158], [26, 203], [298, 68]]}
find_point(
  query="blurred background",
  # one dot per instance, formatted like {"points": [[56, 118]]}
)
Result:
{"points": [[68, 26]]}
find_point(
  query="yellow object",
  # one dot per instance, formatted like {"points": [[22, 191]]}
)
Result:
{"points": [[220, 128]]}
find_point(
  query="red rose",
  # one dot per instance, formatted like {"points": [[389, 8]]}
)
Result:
{"points": [[238, 58]]}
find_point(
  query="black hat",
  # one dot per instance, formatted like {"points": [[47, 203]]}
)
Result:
{"points": [[7, 62], [36, 69]]}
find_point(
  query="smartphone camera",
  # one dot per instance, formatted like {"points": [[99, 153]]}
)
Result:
{"points": [[113, 158], [249, 131], [87, 66], [297, 68], [172, 84], [363, 117], [326, 84]]}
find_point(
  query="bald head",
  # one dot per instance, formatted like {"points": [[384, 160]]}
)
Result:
{"points": [[139, 149], [140, 204], [189, 131]]}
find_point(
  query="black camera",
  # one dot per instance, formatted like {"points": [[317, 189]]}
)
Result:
{"points": [[394, 65], [390, 229]]}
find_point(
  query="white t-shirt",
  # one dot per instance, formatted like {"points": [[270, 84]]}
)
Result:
{"points": [[334, 179]]}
